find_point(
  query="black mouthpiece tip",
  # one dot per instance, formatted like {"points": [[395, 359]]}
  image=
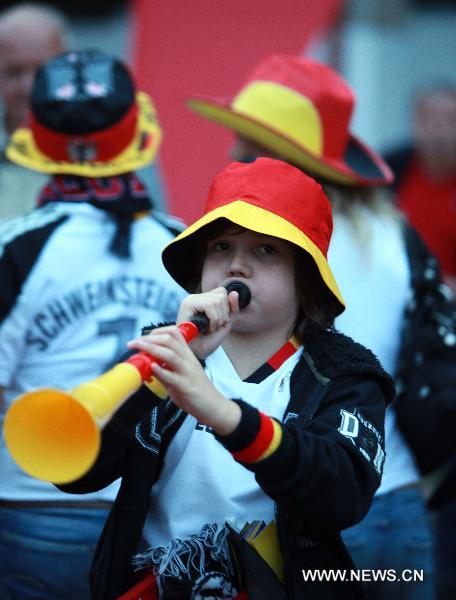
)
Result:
{"points": [[243, 290]]}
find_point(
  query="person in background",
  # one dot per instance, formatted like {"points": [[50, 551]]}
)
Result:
{"points": [[425, 171], [80, 275], [299, 110], [425, 186], [30, 34]]}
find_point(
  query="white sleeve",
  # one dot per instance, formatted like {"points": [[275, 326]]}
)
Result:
{"points": [[12, 342]]}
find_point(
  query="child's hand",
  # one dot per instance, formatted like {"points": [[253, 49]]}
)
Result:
{"points": [[182, 374], [218, 306]]}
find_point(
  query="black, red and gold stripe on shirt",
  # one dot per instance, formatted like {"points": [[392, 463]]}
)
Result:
{"points": [[258, 436], [275, 362]]}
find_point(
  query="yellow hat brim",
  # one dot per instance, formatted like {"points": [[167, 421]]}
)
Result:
{"points": [[276, 141], [140, 152], [178, 257]]}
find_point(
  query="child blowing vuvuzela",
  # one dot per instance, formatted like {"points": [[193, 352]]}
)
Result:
{"points": [[271, 415]]}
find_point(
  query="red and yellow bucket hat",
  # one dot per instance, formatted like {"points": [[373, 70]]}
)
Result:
{"points": [[267, 196], [86, 118], [300, 110]]}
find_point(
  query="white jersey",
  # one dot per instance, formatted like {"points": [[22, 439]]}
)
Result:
{"points": [[374, 278], [68, 306], [216, 487]]}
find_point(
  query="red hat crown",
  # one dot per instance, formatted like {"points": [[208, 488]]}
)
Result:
{"points": [[333, 99], [280, 189]]}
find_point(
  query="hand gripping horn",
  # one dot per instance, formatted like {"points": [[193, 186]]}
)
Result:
{"points": [[54, 435]]}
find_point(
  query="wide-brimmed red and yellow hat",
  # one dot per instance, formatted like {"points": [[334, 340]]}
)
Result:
{"points": [[300, 110], [267, 196], [86, 119]]}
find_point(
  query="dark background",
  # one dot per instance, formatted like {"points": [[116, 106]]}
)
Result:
{"points": [[81, 8]]}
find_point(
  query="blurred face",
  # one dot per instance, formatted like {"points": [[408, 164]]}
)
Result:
{"points": [[22, 51], [266, 264], [435, 131], [244, 149]]}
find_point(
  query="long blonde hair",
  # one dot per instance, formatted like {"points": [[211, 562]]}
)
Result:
{"points": [[356, 202]]}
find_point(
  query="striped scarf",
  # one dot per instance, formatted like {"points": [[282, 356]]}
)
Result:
{"points": [[123, 196]]}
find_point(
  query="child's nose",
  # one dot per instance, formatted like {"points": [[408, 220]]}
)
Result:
{"points": [[239, 265]]}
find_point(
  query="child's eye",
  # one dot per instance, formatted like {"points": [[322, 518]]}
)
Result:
{"points": [[267, 249], [219, 246]]}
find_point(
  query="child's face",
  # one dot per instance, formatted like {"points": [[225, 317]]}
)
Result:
{"points": [[266, 264]]}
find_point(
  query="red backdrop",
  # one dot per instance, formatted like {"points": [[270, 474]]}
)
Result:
{"points": [[209, 46]]}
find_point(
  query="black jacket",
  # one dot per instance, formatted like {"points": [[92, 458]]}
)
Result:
{"points": [[425, 375], [425, 404], [322, 477]]}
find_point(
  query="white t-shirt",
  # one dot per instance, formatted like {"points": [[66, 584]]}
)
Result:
{"points": [[201, 482], [374, 279], [73, 311]]}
